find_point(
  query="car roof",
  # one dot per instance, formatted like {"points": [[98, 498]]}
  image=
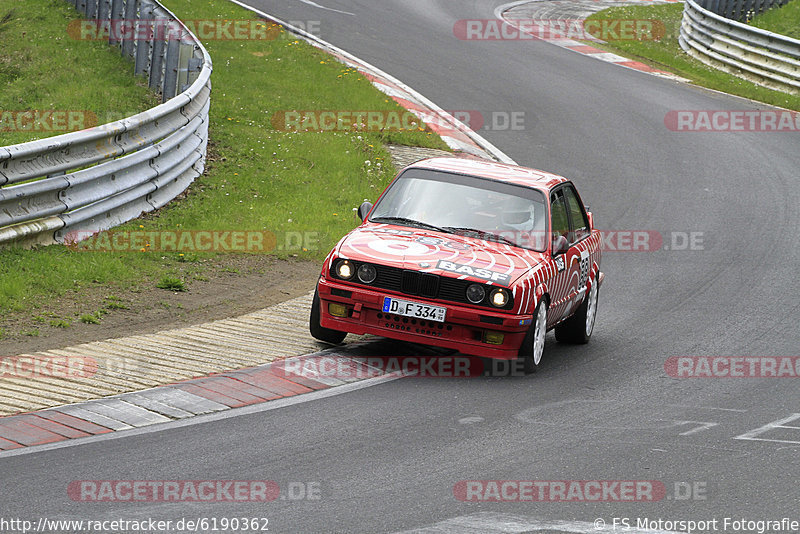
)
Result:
{"points": [[494, 171]]}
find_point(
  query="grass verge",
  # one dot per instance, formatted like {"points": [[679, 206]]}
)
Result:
{"points": [[298, 187], [667, 54], [43, 68], [784, 20]]}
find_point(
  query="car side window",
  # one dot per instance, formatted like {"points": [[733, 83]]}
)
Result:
{"points": [[580, 222], [558, 214]]}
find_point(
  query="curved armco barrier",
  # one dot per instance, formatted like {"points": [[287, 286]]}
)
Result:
{"points": [[709, 33], [98, 178]]}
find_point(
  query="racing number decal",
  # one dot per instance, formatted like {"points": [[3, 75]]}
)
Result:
{"points": [[584, 269], [560, 265]]}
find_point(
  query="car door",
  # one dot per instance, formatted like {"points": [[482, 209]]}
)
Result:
{"points": [[580, 253], [572, 267]]}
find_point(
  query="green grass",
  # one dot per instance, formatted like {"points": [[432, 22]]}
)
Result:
{"points": [[784, 20], [667, 54], [171, 284], [90, 318], [43, 68], [113, 303], [298, 187]]}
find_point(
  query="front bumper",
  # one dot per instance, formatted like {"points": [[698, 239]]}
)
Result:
{"points": [[464, 330]]}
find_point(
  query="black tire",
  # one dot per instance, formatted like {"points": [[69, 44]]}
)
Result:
{"points": [[530, 354], [578, 328], [327, 335]]}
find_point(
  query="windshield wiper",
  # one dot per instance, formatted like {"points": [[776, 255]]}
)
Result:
{"points": [[410, 222], [485, 234]]}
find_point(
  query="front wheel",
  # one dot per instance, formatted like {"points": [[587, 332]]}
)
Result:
{"points": [[578, 328], [530, 353], [318, 331]]}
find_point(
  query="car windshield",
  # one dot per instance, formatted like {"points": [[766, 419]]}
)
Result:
{"points": [[465, 205]]}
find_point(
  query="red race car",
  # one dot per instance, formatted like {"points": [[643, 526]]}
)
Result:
{"points": [[470, 255]]}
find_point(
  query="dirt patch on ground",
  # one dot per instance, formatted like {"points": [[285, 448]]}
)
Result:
{"points": [[233, 285]]}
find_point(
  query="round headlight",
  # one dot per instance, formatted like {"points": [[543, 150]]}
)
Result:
{"points": [[367, 273], [344, 269], [499, 297], [475, 293]]}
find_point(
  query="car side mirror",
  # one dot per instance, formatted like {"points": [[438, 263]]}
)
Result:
{"points": [[591, 219], [364, 209], [560, 245]]}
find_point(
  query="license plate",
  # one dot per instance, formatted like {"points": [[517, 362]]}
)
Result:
{"points": [[414, 309]]}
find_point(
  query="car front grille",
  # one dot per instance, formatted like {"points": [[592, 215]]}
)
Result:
{"points": [[420, 284], [426, 285]]}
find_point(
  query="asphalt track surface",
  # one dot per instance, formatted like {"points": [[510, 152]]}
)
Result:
{"points": [[386, 458]]}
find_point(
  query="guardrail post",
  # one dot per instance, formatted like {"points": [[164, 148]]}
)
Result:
{"points": [[144, 27], [91, 9], [741, 9], [171, 69], [115, 24], [757, 6], [103, 10], [195, 66], [128, 41], [157, 63], [186, 52], [103, 16], [728, 11]]}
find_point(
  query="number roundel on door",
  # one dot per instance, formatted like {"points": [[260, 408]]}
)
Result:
{"points": [[584, 268]]}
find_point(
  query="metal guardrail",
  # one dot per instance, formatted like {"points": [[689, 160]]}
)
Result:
{"points": [[740, 10], [98, 178], [710, 34]]}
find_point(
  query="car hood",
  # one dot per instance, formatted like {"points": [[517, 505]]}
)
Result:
{"points": [[445, 254]]}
